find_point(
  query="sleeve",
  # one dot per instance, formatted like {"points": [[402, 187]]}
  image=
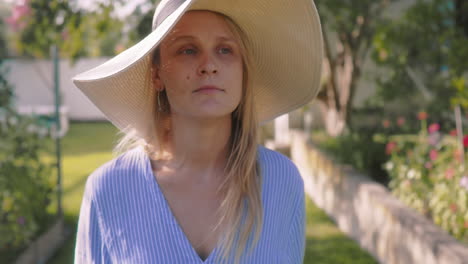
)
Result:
{"points": [[89, 246], [296, 238]]}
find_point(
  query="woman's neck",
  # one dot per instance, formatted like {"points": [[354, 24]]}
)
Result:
{"points": [[198, 147]]}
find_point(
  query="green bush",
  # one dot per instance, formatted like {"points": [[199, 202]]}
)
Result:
{"points": [[427, 173], [25, 178], [356, 149]]}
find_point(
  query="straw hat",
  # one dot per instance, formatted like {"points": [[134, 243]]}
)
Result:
{"points": [[285, 41]]}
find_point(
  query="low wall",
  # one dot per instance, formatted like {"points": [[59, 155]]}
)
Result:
{"points": [[368, 213], [45, 246]]}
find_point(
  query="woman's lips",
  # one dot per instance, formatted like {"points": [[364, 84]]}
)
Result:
{"points": [[208, 88]]}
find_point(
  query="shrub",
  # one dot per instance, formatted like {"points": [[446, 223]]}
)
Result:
{"points": [[427, 172], [25, 178], [357, 149]]}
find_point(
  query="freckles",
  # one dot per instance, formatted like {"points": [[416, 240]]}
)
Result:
{"points": [[188, 77]]}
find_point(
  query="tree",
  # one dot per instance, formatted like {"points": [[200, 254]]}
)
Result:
{"points": [[461, 85], [39, 24], [103, 31], [3, 45], [143, 21], [6, 92], [426, 54], [348, 30]]}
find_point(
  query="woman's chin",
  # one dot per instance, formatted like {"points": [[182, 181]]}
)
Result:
{"points": [[211, 113], [212, 116]]}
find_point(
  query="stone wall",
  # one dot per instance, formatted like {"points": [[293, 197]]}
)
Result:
{"points": [[368, 213], [40, 250]]}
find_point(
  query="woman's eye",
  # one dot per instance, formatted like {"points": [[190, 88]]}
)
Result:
{"points": [[192, 51], [188, 51], [225, 50]]}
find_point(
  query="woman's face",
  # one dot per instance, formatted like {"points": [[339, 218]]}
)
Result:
{"points": [[201, 67]]}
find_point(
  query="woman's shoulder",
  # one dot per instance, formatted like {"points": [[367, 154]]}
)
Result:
{"points": [[277, 165], [275, 159], [115, 172]]}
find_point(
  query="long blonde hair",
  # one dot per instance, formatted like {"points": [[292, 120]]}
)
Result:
{"points": [[241, 186]]}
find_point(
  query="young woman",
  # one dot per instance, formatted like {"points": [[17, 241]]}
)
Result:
{"points": [[191, 184]]}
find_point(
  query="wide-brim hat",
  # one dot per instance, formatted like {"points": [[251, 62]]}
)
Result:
{"points": [[285, 41]]}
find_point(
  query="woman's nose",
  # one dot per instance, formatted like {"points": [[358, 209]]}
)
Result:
{"points": [[207, 66]]}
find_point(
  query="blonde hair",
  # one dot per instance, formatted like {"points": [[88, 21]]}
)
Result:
{"points": [[241, 186]]}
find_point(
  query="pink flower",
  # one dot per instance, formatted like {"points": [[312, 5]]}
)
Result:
{"points": [[465, 141], [401, 121], [386, 123], [391, 146], [422, 115], [449, 173], [453, 207], [19, 13], [433, 154], [433, 128], [464, 182], [434, 138], [428, 165]]}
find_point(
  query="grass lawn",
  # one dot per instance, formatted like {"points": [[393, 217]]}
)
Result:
{"points": [[326, 244], [89, 145], [85, 147]]}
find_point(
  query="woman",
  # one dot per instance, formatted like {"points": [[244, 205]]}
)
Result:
{"points": [[192, 185]]}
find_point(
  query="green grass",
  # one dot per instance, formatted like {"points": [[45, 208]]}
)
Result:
{"points": [[326, 244], [89, 145], [85, 147]]}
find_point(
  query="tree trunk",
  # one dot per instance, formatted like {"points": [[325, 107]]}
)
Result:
{"points": [[338, 91], [334, 121]]}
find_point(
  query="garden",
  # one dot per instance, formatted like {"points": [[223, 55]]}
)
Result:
{"points": [[27, 182], [411, 134]]}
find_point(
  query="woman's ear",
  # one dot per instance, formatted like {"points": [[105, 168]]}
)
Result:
{"points": [[156, 79]]}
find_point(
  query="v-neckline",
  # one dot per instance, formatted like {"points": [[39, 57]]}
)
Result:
{"points": [[152, 178]]}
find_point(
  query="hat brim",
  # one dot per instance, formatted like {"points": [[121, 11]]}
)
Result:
{"points": [[286, 44]]}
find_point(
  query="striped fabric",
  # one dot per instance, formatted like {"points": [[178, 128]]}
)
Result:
{"points": [[125, 218]]}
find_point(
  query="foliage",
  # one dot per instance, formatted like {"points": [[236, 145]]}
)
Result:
{"points": [[3, 43], [25, 182], [144, 18], [25, 179], [103, 33], [348, 29], [425, 55], [428, 173], [40, 24], [356, 149], [6, 91]]}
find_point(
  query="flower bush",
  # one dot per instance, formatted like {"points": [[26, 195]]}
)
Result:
{"points": [[427, 172], [26, 184]]}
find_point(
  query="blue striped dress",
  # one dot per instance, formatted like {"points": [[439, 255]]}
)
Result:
{"points": [[124, 217]]}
